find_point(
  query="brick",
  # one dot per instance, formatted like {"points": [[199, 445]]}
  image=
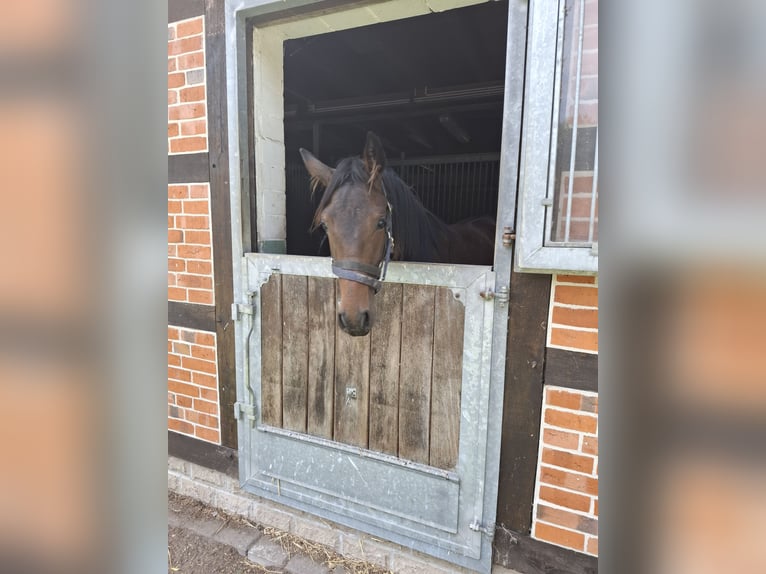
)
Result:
{"points": [[589, 404], [172, 130], [178, 465], [193, 251], [174, 412], [206, 353], [180, 426], [182, 348], [193, 128], [171, 222], [194, 77], [199, 191], [195, 281], [315, 531], [569, 480], [592, 547], [572, 295], [173, 333], [176, 80], [179, 374], [197, 237], [584, 340], [172, 251], [171, 32], [568, 460], [267, 553], [201, 297], [183, 389], [193, 94], [239, 537], [210, 435], [174, 361], [193, 222], [561, 439], [269, 516], [565, 399], [567, 538], [184, 401], [186, 111], [589, 279], [187, 335], [185, 45], [178, 192], [207, 394], [172, 65], [206, 407], [571, 421], [565, 498], [205, 380], [595, 507], [206, 339], [191, 61], [198, 365], [189, 27], [201, 206], [172, 99], [176, 294], [558, 516], [586, 318], [590, 445], [188, 144], [174, 206]]}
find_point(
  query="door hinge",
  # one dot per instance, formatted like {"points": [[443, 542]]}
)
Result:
{"points": [[239, 309], [242, 410], [508, 236], [486, 529], [501, 295]]}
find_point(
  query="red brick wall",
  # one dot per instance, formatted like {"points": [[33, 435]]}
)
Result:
{"points": [[187, 119], [573, 319], [193, 384], [190, 251], [566, 498]]}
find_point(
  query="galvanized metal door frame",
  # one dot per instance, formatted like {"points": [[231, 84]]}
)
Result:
{"points": [[237, 13]]}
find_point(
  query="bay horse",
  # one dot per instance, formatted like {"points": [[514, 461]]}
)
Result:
{"points": [[370, 217]]}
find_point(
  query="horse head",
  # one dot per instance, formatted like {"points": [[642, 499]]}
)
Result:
{"points": [[356, 216]]}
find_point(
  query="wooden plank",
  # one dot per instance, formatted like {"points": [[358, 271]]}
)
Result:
{"points": [[571, 369], [271, 351], [352, 371], [189, 168], [521, 553], [522, 402], [415, 377], [183, 9], [449, 324], [295, 352], [191, 316], [385, 339], [321, 364], [220, 213], [212, 456]]}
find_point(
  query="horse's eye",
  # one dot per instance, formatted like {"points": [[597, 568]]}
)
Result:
{"points": [[381, 223]]}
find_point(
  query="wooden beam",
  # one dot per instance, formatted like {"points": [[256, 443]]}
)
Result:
{"points": [[571, 369], [189, 168], [522, 403], [212, 456], [522, 553], [183, 9], [218, 146], [191, 316]]}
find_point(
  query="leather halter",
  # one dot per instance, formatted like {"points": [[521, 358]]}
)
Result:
{"points": [[370, 275]]}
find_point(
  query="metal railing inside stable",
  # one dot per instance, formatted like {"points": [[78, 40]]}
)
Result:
{"points": [[452, 187]]}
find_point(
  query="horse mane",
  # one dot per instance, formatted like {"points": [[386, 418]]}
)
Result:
{"points": [[419, 235]]}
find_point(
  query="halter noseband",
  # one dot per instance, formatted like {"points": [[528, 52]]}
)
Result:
{"points": [[370, 275]]}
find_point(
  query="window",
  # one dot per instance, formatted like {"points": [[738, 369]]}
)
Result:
{"points": [[558, 202]]}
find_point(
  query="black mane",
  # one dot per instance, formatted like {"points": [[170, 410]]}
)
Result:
{"points": [[418, 233]]}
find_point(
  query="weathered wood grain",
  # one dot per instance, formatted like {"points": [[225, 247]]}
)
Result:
{"points": [[449, 323], [415, 376], [271, 351], [295, 352], [321, 365], [384, 369], [352, 371]]}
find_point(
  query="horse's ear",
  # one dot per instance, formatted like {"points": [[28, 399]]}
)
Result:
{"points": [[373, 155], [318, 171]]}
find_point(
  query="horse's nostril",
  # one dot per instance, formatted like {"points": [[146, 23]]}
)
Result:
{"points": [[342, 320], [365, 320]]}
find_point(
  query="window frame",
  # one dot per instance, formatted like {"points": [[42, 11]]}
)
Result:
{"points": [[539, 130]]}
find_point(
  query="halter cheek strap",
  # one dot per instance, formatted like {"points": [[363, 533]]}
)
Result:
{"points": [[370, 275]]}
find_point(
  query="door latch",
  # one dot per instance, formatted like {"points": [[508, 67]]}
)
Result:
{"points": [[486, 529], [501, 295], [239, 309]]}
